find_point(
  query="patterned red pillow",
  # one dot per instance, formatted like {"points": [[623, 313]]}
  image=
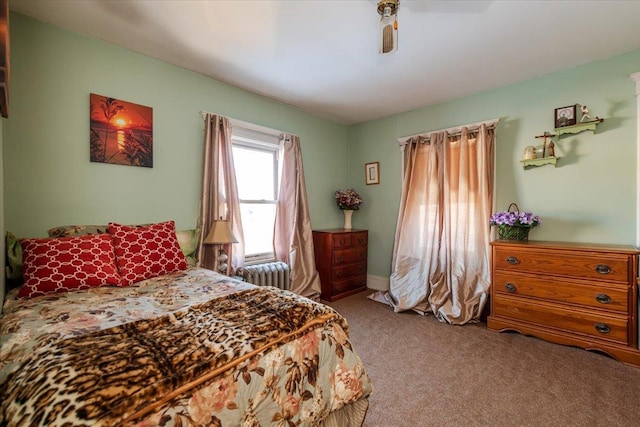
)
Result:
{"points": [[68, 263], [146, 252]]}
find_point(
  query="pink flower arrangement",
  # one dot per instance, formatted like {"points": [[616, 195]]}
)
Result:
{"points": [[348, 199]]}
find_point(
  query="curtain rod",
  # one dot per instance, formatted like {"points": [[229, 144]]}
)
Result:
{"points": [[456, 130], [249, 126]]}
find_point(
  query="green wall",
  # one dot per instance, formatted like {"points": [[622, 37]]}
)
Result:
{"points": [[49, 180], [589, 197]]}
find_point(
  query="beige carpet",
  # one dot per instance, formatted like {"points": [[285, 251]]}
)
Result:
{"points": [[427, 373]]}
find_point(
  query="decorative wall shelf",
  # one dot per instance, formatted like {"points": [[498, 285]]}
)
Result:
{"points": [[548, 154], [579, 127], [540, 162], [548, 149]]}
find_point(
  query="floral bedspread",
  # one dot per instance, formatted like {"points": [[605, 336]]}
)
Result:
{"points": [[188, 349]]}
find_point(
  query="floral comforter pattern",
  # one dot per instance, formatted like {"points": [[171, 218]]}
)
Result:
{"points": [[187, 349]]}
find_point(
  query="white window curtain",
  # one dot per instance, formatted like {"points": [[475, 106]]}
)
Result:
{"points": [[441, 255], [293, 238], [219, 196]]}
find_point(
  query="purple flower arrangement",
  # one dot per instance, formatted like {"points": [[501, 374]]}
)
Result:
{"points": [[517, 219], [348, 199]]}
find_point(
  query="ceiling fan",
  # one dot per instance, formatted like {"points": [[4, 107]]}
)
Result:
{"points": [[388, 11]]}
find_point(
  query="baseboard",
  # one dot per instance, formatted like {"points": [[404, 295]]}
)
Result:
{"points": [[378, 283]]}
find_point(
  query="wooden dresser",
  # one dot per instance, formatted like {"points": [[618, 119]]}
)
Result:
{"points": [[341, 260], [577, 294]]}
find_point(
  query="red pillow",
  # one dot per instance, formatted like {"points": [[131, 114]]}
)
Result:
{"points": [[146, 252], [68, 263]]}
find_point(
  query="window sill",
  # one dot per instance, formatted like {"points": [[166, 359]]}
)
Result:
{"points": [[256, 261]]}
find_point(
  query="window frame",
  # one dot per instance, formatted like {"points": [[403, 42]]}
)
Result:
{"points": [[258, 140]]}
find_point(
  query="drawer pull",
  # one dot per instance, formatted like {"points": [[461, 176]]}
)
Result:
{"points": [[603, 269], [510, 287], [340, 273], [603, 298], [340, 257], [342, 242], [512, 260], [603, 328]]}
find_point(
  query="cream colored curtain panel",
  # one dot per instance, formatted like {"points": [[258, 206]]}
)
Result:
{"points": [[293, 239], [219, 196], [440, 259]]}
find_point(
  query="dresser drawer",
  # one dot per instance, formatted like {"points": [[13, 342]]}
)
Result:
{"points": [[592, 295], [348, 256], [359, 239], [341, 241], [345, 271], [592, 323], [609, 268], [340, 286]]}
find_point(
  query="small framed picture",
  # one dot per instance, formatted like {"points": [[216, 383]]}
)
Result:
{"points": [[565, 116], [372, 173]]}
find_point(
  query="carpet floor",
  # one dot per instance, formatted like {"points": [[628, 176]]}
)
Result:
{"points": [[427, 373]]}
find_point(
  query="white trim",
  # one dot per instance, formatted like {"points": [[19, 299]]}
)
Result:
{"points": [[255, 128], [256, 140], [258, 259], [378, 283], [249, 126], [636, 77], [453, 130]]}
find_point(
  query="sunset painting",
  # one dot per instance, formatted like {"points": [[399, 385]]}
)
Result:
{"points": [[120, 132]]}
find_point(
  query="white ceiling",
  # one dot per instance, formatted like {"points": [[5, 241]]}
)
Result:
{"points": [[321, 55]]}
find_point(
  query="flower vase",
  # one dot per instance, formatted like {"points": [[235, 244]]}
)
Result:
{"points": [[347, 218]]}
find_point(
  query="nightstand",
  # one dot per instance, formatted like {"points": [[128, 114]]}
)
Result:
{"points": [[341, 261]]}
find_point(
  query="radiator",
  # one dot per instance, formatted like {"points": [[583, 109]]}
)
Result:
{"points": [[267, 274]]}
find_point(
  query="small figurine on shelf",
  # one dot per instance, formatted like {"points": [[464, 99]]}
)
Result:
{"points": [[550, 150], [529, 152], [544, 137], [585, 114]]}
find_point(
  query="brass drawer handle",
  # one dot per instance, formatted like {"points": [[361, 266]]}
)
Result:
{"points": [[603, 269], [510, 287], [603, 298], [603, 328], [512, 260]]}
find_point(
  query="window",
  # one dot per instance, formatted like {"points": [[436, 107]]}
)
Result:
{"points": [[255, 157]]}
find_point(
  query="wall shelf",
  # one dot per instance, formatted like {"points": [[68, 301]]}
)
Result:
{"points": [[540, 161], [579, 127], [552, 160]]}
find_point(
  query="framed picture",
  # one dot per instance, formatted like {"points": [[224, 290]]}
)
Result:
{"points": [[372, 173], [565, 116], [120, 132]]}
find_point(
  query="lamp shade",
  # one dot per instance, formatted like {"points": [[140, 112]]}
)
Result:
{"points": [[220, 234]]}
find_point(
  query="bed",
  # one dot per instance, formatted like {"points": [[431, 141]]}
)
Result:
{"points": [[187, 348]]}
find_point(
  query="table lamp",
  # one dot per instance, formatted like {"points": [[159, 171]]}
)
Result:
{"points": [[222, 235]]}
